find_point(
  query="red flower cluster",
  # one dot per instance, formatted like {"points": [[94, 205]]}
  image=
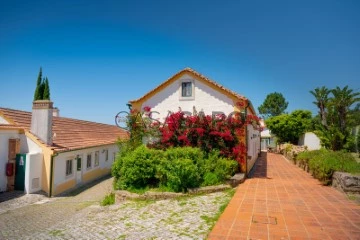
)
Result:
{"points": [[205, 132]]}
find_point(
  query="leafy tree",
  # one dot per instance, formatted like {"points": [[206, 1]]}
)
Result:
{"points": [[335, 129], [38, 93], [46, 94], [289, 127], [273, 105], [322, 99], [342, 101]]}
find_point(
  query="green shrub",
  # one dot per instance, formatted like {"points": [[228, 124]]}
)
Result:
{"points": [[223, 168], [176, 169], [324, 163], [210, 178], [181, 174], [138, 168], [304, 157], [108, 199]]}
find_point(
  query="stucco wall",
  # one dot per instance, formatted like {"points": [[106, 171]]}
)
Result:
{"points": [[310, 140], [26, 146], [33, 173], [63, 183], [205, 98], [253, 140]]}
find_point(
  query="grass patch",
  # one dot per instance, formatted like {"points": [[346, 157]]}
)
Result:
{"points": [[57, 233], [108, 200]]}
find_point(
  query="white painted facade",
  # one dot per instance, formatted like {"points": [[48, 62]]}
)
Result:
{"points": [[204, 99], [253, 146], [310, 140], [26, 146], [60, 160], [33, 172]]}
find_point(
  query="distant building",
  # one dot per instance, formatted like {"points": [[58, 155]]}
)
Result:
{"points": [[310, 140], [52, 153], [267, 140]]}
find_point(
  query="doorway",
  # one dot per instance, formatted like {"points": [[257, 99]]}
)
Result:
{"points": [[78, 169]]}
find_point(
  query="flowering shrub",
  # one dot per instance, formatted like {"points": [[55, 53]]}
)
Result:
{"points": [[226, 134]]}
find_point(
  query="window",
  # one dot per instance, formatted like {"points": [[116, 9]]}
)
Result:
{"points": [[186, 89], [88, 161], [96, 159], [69, 167], [106, 154]]}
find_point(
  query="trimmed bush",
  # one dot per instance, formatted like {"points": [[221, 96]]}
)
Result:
{"points": [[323, 163], [181, 174], [176, 169], [138, 168]]}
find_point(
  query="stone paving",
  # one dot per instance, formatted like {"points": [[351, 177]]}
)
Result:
{"points": [[281, 201], [81, 217]]}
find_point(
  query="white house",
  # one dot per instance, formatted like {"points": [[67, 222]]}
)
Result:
{"points": [[187, 91], [53, 153]]}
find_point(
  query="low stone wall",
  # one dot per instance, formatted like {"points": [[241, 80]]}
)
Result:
{"points": [[346, 182], [122, 195]]}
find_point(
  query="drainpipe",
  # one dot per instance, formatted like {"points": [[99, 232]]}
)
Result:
{"points": [[51, 173]]}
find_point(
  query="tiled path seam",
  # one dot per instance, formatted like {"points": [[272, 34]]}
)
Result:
{"points": [[281, 201]]}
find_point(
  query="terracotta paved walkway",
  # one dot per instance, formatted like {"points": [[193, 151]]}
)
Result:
{"points": [[282, 201]]}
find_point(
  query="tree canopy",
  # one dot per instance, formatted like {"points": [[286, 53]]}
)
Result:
{"points": [[42, 90], [336, 116], [289, 127], [273, 105]]}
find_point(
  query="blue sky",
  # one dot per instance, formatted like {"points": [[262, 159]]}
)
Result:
{"points": [[98, 55]]}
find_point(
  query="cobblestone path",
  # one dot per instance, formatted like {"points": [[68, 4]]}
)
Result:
{"points": [[81, 217]]}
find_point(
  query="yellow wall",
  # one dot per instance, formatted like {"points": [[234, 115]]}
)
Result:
{"points": [[64, 186], [47, 153], [94, 174]]}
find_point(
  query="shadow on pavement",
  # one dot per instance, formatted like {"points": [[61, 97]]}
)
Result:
{"points": [[83, 187], [6, 196], [260, 168]]}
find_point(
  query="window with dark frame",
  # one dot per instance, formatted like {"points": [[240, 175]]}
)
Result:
{"points": [[96, 159], [186, 89], [88, 160], [106, 154], [69, 167]]}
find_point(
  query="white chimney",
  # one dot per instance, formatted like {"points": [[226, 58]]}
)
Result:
{"points": [[56, 112], [42, 119]]}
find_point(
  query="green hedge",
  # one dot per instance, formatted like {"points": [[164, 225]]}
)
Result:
{"points": [[175, 169], [323, 163]]}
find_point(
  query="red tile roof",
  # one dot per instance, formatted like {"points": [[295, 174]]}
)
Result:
{"points": [[69, 134], [193, 72]]}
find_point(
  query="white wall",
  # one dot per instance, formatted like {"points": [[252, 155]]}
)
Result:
{"points": [[26, 146], [253, 140], [205, 98], [33, 172], [60, 162], [310, 140]]}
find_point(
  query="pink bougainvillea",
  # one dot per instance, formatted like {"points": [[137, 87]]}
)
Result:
{"points": [[226, 134]]}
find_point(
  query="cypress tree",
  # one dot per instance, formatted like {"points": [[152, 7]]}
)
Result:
{"points": [[46, 95], [41, 89], [38, 94]]}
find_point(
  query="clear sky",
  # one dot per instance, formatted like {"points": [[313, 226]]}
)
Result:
{"points": [[100, 54]]}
